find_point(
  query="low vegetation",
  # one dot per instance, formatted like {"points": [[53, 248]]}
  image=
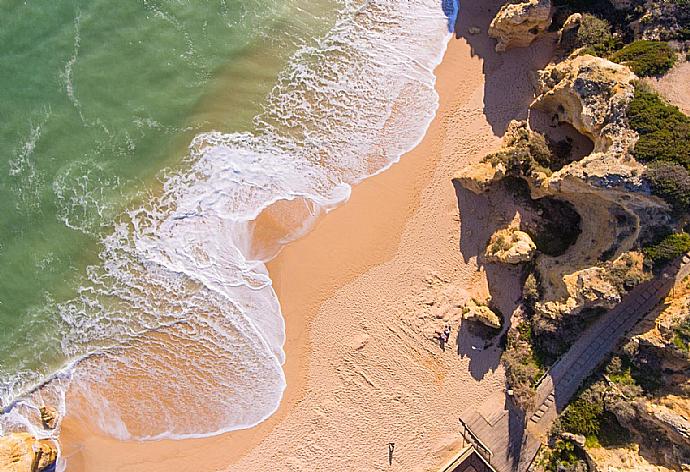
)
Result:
{"points": [[523, 367], [525, 153], [594, 34], [588, 415], [646, 58], [671, 182], [664, 130], [681, 335], [668, 248], [562, 456]]}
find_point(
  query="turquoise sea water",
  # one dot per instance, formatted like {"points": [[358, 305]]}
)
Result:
{"points": [[95, 99], [139, 140]]}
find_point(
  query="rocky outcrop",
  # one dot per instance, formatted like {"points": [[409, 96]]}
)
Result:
{"points": [[510, 246], [21, 452], [663, 20], [651, 423], [518, 24], [605, 188], [482, 314], [479, 177], [592, 94], [657, 418], [597, 287], [49, 417]]}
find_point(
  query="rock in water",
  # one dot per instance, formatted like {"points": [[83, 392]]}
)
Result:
{"points": [[518, 24], [510, 246], [49, 417], [21, 452]]}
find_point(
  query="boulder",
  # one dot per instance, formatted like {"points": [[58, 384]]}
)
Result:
{"points": [[477, 178], [567, 36], [510, 246], [578, 439], [518, 24], [49, 417], [21, 452], [481, 313]]}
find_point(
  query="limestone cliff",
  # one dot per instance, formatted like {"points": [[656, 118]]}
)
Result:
{"points": [[518, 24], [651, 399], [21, 452], [590, 94]]}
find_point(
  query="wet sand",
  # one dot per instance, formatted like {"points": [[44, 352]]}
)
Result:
{"points": [[363, 294]]}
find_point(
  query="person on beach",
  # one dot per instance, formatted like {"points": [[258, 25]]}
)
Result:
{"points": [[446, 334]]}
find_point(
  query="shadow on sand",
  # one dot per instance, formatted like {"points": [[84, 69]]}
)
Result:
{"points": [[508, 92]]}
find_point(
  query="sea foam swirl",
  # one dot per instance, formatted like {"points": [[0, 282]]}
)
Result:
{"points": [[177, 331]]}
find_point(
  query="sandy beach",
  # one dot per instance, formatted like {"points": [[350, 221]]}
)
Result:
{"points": [[363, 294]]}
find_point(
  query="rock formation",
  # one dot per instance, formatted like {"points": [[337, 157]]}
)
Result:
{"points": [[482, 314], [597, 287], [605, 188], [510, 246], [518, 24], [21, 452], [592, 94], [663, 20], [49, 417]]}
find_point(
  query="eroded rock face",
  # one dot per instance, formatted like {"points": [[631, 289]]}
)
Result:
{"points": [[510, 246], [482, 314], [21, 452], [518, 24], [663, 20], [651, 423], [595, 287], [592, 94], [605, 187]]}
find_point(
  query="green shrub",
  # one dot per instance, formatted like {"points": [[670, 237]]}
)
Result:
{"points": [[531, 293], [646, 58], [619, 372], [664, 130], [594, 34], [527, 151], [672, 246], [583, 417], [681, 335], [562, 456], [587, 416], [671, 182]]}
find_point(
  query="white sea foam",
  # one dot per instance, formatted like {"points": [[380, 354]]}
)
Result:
{"points": [[180, 331]]}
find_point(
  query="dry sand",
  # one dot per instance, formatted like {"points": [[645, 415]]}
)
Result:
{"points": [[675, 86], [362, 295]]}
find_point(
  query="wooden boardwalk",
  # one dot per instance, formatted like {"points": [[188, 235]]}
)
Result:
{"points": [[497, 430], [510, 442]]}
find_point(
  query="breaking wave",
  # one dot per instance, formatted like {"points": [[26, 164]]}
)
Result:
{"points": [[177, 331]]}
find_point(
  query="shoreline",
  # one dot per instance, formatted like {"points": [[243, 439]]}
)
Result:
{"points": [[367, 282]]}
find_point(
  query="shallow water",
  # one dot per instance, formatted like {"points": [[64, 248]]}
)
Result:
{"points": [[126, 251]]}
